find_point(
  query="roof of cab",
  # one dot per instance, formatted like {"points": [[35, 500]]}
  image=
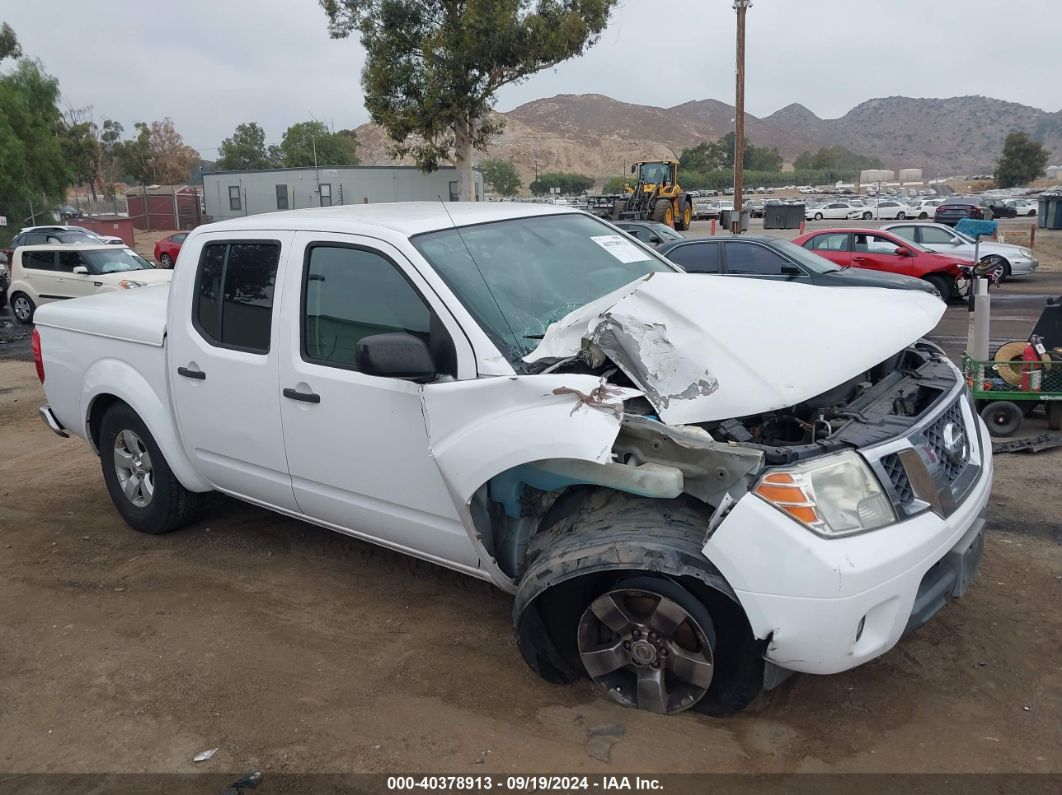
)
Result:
{"points": [[406, 218]]}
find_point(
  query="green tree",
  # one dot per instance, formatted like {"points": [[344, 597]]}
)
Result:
{"points": [[81, 148], [615, 185], [716, 155], [34, 173], [109, 134], [158, 155], [246, 149], [835, 158], [307, 142], [501, 176], [433, 66], [566, 184], [1023, 161]]}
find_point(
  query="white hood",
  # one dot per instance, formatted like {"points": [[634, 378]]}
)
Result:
{"points": [[704, 349]]}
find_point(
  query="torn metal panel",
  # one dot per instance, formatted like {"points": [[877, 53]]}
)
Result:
{"points": [[705, 348], [479, 428], [644, 352]]}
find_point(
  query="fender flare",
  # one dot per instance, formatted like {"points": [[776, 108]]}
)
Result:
{"points": [[116, 379]]}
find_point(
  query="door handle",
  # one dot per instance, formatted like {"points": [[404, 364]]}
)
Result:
{"points": [[197, 374], [305, 397], [859, 259]]}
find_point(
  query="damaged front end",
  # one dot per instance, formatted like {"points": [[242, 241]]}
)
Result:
{"points": [[696, 410]]}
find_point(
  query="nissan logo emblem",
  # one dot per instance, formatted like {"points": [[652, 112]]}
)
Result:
{"points": [[955, 444]]}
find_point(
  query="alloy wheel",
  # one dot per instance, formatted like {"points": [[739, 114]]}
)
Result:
{"points": [[132, 464], [646, 650]]}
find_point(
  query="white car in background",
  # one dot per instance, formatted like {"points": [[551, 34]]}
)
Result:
{"points": [[923, 208], [44, 274], [1023, 207], [880, 210], [836, 211], [1010, 260]]}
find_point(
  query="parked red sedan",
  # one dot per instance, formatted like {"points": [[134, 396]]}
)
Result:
{"points": [[167, 249], [884, 251]]}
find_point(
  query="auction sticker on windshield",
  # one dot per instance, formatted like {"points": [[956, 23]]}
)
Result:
{"points": [[621, 249]]}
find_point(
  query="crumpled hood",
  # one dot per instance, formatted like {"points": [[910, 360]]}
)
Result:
{"points": [[711, 349]]}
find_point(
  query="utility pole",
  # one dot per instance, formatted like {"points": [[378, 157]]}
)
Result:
{"points": [[741, 6]]}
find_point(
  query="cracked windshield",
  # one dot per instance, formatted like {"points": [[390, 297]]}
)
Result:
{"points": [[517, 277]]}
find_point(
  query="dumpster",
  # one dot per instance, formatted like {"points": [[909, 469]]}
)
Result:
{"points": [[1050, 211], [783, 216]]}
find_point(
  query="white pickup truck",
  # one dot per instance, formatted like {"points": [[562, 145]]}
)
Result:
{"points": [[693, 486]]}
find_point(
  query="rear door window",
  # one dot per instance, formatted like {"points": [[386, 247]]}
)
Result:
{"points": [[752, 259], [833, 242], [38, 260], [906, 232], [697, 257], [233, 306]]}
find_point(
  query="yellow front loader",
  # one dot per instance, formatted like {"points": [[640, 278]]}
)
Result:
{"points": [[657, 196]]}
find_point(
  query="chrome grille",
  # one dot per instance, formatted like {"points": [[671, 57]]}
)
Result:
{"points": [[897, 475], [934, 435]]}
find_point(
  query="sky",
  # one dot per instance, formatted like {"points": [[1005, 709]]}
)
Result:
{"points": [[212, 64]]}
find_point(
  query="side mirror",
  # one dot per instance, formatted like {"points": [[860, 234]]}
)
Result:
{"points": [[81, 270], [654, 239], [902, 252], [395, 355], [633, 169]]}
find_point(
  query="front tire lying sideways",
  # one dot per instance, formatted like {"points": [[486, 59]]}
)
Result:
{"points": [[581, 622], [142, 486]]}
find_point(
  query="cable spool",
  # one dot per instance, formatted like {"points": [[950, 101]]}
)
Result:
{"points": [[1009, 362]]}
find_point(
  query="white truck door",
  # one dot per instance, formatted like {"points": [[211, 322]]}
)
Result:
{"points": [[357, 444], [223, 359]]}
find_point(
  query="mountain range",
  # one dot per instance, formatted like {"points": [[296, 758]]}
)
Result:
{"points": [[596, 135]]}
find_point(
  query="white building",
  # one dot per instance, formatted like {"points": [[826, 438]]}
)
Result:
{"points": [[1054, 172], [229, 194]]}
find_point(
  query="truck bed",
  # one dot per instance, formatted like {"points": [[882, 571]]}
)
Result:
{"points": [[137, 315]]}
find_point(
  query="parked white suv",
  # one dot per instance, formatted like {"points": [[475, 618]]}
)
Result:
{"points": [[42, 274], [692, 486]]}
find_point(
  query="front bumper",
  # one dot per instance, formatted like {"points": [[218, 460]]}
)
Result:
{"points": [[1023, 267], [828, 605]]}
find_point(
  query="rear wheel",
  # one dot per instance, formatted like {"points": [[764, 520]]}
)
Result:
{"points": [[142, 486], [166, 261], [22, 308], [1002, 417], [649, 643], [1031, 213], [900, 216], [923, 216], [683, 222]]}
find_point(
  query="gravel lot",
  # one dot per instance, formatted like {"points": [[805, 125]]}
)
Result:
{"points": [[294, 649]]}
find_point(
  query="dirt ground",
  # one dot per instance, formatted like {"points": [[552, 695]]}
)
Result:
{"points": [[293, 649]]}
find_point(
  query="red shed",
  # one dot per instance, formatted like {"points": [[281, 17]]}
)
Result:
{"points": [[164, 207], [117, 225]]}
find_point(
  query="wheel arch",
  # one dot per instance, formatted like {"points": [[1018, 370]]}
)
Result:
{"points": [[110, 381], [596, 537]]}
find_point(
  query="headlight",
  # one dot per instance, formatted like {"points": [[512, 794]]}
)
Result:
{"points": [[1025, 252], [833, 496], [128, 284]]}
